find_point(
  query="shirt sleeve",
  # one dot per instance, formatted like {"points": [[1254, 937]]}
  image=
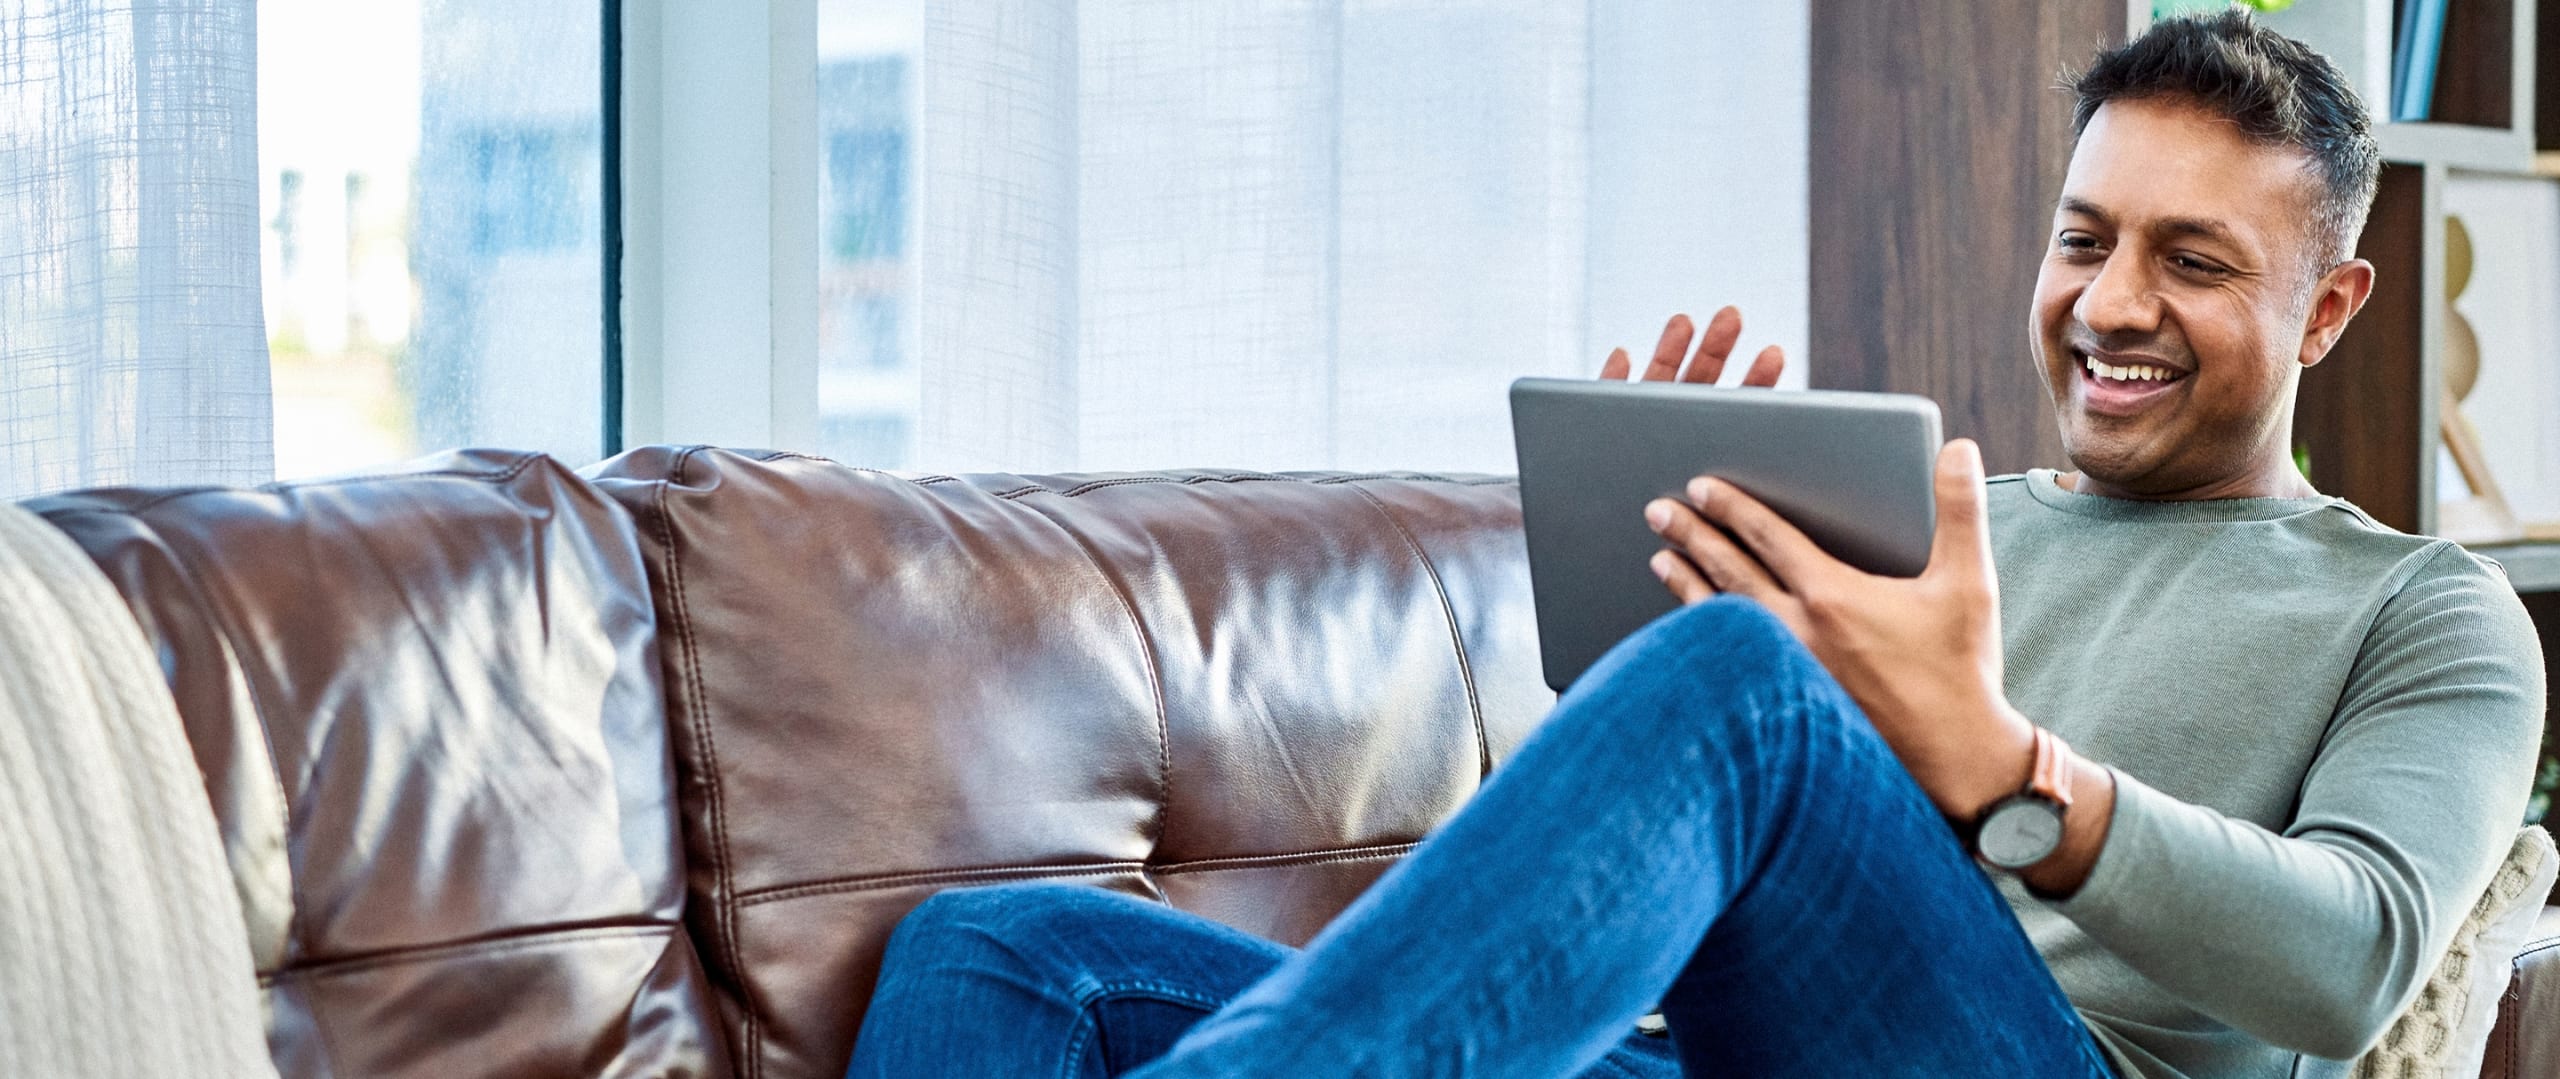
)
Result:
{"points": [[2317, 939]]}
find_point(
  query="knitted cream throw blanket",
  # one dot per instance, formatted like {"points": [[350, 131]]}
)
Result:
{"points": [[2439, 1036], [122, 951]]}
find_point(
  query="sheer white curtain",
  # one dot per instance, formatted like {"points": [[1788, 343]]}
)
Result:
{"points": [[132, 348], [1328, 233]]}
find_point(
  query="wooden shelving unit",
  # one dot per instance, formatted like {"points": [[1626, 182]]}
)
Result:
{"points": [[2368, 419]]}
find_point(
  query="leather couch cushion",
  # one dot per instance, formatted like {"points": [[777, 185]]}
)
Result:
{"points": [[2526, 1043], [1242, 693], [427, 709]]}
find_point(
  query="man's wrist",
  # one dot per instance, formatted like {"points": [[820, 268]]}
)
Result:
{"points": [[2084, 833], [1994, 767], [2002, 765]]}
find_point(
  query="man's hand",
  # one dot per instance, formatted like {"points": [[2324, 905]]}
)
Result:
{"points": [[1922, 656], [1714, 348]]}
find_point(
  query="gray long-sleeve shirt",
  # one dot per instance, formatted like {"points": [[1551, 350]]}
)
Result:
{"points": [[2323, 732]]}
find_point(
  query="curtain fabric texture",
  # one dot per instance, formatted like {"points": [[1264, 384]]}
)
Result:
{"points": [[132, 347], [1329, 233], [1263, 235]]}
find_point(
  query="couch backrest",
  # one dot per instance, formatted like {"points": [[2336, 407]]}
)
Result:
{"points": [[1242, 693], [427, 707]]}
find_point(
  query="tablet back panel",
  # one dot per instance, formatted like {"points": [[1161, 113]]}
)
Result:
{"points": [[1853, 470]]}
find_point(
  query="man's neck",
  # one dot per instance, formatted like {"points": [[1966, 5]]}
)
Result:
{"points": [[2280, 481]]}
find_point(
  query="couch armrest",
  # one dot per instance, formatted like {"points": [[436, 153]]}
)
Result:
{"points": [[2526, 1041]]}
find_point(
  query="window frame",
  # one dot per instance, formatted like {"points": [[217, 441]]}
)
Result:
{"points": [[714, 276]]}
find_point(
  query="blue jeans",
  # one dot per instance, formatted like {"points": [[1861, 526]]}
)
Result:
{"points": [[1706, 822]]}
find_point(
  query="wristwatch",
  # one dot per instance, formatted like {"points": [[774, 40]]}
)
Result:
{"points": [[2025, 828]]}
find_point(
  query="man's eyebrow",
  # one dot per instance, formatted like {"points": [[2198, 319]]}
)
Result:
{"points": [[2203, 228], [2199, 227]]}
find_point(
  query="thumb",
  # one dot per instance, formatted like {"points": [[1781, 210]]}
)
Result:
{"points": [[1963, 542]]}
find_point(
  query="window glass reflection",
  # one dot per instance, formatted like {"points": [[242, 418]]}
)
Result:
{"points": [[432, 198]]}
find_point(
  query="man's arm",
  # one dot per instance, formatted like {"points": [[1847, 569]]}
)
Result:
{"points": [[2318, 937], [2313, 940]]}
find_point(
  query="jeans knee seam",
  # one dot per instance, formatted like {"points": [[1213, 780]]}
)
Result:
{"points": [[1155, 990]]}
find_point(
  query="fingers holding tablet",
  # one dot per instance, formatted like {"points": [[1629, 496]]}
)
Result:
{"points": [[1703, 561], [1793, 560]]}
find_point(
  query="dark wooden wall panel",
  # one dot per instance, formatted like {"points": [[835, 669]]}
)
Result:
{"points": [[2475, 75], [2545, 609], [2546, 76], [1937, 140], [2358, 411]]}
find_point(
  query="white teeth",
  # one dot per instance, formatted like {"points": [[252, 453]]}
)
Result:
{"points": [[2140, 372]]}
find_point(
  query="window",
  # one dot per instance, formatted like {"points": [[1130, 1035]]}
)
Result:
{"points": [[432, 195], [1018, 234], [869, 385]]}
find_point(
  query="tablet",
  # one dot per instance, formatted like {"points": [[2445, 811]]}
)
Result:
{"points": [[1853, 470]]}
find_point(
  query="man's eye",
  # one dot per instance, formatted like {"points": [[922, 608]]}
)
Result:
{"points": [[2194, 265], [2073, 241]]}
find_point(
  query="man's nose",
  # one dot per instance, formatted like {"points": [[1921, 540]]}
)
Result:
{"points": [[2121, 299]]}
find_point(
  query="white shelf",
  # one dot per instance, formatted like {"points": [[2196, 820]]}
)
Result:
{"points": [[2461, 146], [2531, 567]]}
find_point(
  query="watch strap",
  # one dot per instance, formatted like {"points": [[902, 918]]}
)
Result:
{"points": [[2051, 777]]}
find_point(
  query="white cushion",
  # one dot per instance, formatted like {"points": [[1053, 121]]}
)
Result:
{"points": [[2445, 1032]]}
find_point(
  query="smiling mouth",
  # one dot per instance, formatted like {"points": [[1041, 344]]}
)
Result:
{"points": [[2122, 389], [2138, 372]]}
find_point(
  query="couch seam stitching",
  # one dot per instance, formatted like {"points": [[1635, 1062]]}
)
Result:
{"points": [[283, 487], [1147, 655], [922, 480], [2513, 996], [522, 942], [1449, 614], [723, 906], [1233, 476], [986, 875], [994, 874], [1010, 493], [1284, 861]]}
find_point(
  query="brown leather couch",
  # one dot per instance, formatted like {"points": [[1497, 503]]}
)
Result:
{"points": [[527, 773]]}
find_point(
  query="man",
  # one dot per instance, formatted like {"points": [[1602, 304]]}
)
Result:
{"points": [[2302, 738]]}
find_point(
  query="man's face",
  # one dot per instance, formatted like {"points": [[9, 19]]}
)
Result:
{"points": [[2179, 261]]}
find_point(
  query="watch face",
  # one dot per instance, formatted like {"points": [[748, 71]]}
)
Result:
{"points": [[2020, 832]]}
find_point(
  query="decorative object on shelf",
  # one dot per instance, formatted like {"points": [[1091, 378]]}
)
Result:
{"points": [[2417, 43], [2475, 512], [2499, 361]]}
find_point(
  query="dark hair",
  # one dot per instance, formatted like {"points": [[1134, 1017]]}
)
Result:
{"points": [[2276, 89]]}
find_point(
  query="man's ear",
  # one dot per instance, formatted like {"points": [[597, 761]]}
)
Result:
{"points": [[2335, 299]]}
